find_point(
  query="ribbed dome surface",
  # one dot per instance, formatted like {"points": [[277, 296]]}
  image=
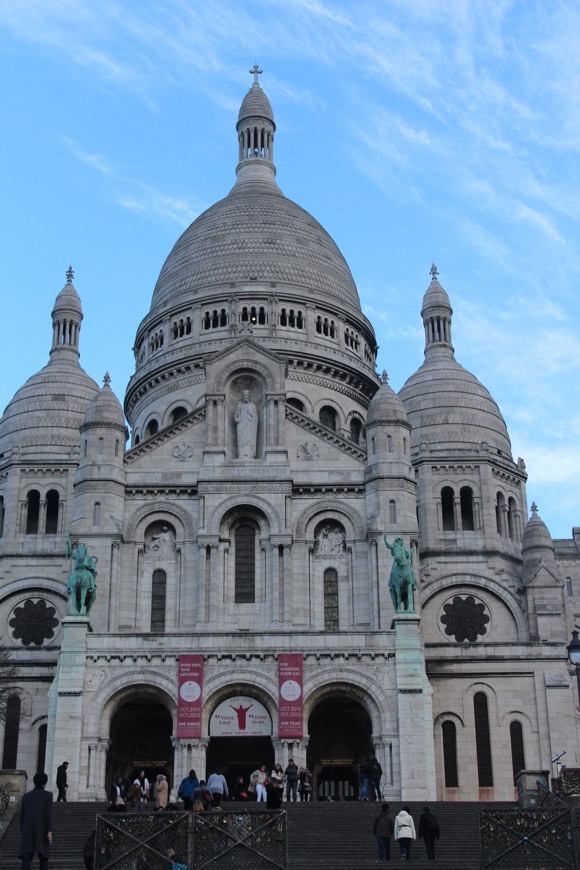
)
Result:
{"points": [[536, 536], [448, 407], [255, 234], [47, 411], [385, 406], [105, 408], [256, 105]]}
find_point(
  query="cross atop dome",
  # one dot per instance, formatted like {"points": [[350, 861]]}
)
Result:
{"points": [[434, 271], [256, 71], [69, 275]]}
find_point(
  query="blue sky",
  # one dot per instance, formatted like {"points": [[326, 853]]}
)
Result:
{"points": [[413, 130]]}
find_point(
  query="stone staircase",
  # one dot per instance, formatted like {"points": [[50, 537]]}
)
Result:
{"points": [[335, 836]]}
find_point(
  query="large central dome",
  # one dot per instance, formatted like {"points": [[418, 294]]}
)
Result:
{"points": [[255, 234]]}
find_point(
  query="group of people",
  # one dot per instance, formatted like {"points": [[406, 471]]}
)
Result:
{"points": [[133, 797], [269, 788], [369, 777], [402, 828]]}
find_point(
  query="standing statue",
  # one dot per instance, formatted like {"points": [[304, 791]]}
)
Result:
{"points": [[246, 420], [402, 580], [81, 582]]}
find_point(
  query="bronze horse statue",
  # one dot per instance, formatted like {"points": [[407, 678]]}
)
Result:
{"points": [[402, 580], [81, 582]]}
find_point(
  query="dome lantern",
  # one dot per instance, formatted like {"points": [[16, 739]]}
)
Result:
{"points": [[436, 313], [256, 129]]}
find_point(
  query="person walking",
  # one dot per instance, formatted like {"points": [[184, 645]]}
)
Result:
{"points": [[218, 787], [61, 781], [429, 831], [162, 792], [304, 784], [383, 829], [260, 780], [405, 832], [291, 774], [36, 824], [187, 787], [143, 784]]}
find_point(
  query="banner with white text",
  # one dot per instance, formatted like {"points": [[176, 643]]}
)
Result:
{"points": [[290, 683], [190, 688]]}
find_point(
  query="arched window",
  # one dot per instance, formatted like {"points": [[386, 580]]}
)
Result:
{"points": [[355, 430], [511, 519], [97, 514], [245, 564], [466, 501], [392, 512], [482, 741], [517, 744], [448, 509], [327, 417], [499, 513], [330, 600], [101, 446], [389, 443], [404, 445], [41, 752], [296, 403], [2, 514], [11, 730], [178, 413], [158, 599], [152, 428], [449, 734], [51, 524], [32, 512]]}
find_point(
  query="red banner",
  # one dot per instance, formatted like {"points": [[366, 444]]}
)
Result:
{"points": [[290, 695], [190, 690]]}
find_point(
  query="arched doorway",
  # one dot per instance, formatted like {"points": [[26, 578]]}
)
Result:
{"points": [[240, 729], [140, 734], [340, 732]]}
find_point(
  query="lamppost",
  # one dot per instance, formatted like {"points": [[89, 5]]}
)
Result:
{"points": [[574, 657]]}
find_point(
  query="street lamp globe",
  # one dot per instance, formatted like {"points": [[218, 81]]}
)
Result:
{"points": [[574, 649]]}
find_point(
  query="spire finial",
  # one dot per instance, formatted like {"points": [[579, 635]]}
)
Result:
{"points": [[385, 377], [69, 275], [434, 271], [106, 379], [534, 509], [256, 71]]}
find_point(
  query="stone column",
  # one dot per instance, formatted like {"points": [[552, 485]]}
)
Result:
{"points": [[415, 712], [99, 782]]}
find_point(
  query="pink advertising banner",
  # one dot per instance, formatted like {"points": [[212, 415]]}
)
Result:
{"points": [[190, 688], [290, 683]]}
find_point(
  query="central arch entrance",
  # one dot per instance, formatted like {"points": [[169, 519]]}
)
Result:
{"points": [[140, 736], [240, 729], [340, 732]]}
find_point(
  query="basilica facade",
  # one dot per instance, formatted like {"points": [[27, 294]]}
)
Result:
{"points": [[246, 531]]}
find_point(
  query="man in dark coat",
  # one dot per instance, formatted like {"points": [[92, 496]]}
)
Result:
{"points": [[429, 830], [61, 781], [383, 829], [36, 824]]}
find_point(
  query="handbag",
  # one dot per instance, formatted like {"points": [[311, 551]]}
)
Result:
{"points": [[119, 801]]}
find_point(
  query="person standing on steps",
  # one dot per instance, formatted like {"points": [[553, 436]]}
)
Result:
{"points": [[429, 831], [186, 790], [405, 832], [383, 829], [36, 824], [291, 774], [218, 787], [61, 781]]}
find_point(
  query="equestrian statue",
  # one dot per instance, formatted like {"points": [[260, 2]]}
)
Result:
{"points": [[402, 581], [81, 582]]}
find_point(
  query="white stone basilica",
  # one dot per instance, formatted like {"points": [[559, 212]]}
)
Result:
{"points": [[245, 521]]}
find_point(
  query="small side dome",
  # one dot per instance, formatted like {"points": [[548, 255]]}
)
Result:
{"points": [[537, 540], [104, 408], [386, 406]]}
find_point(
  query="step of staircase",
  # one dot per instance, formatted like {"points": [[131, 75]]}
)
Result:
{"points": [[336, 836]]}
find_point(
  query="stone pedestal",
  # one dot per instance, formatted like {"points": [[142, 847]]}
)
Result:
{"points": [[66, 707], [415, 712]]}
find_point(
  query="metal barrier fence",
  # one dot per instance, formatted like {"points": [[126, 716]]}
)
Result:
{"points": [[226, 840], [519, 839]]}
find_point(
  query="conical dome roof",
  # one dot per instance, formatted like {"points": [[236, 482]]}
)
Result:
{"points": [[45, 414], [256, 104], [104, 408], [386, 406], [536, 538], [447, 406]]}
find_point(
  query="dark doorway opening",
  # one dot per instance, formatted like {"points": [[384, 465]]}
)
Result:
{"points": [[140, 735], [238, 756], [340, 732]]}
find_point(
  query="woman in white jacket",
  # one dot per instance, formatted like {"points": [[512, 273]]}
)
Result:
{"points": [[405, 832]]}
